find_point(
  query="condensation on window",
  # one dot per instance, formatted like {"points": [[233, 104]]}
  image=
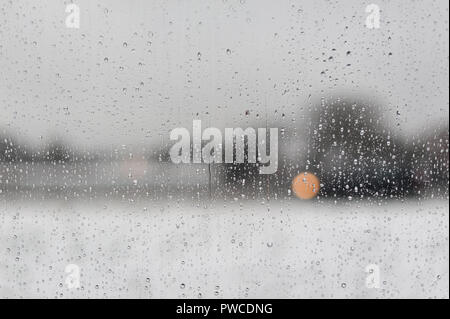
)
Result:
{"points": [[224, 149]]}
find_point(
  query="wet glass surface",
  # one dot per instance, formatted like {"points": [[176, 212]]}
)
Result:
{"points": [[224, 149]]}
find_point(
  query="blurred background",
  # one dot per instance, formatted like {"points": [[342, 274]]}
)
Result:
{"points": [[86, 178]]}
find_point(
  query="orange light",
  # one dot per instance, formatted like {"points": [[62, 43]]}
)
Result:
{"points": [[306, 185]]}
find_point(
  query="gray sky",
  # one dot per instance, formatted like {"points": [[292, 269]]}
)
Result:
{"points": [[137, 69]]}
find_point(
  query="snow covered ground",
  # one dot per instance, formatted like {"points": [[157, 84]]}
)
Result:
{"points": [[276, 249]]}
